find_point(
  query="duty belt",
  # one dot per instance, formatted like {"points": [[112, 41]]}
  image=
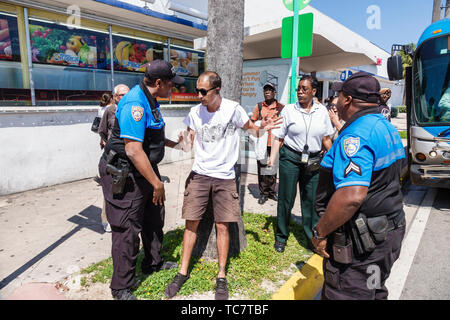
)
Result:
{"points": [[312, 154], [396, 221]]}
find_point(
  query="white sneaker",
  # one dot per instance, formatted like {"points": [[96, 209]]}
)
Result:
{"points": [[106, 227]]}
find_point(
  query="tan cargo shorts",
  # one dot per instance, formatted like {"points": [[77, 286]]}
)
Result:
{"points": [[225, 199]]}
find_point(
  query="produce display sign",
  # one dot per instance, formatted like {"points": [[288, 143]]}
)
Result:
{"points": [[186, 63], [5, 41], [135, 55], [63, 46]]}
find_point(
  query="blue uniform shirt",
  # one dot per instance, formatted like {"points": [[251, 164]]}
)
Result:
{"points": [[135, 116], [368, 152]]}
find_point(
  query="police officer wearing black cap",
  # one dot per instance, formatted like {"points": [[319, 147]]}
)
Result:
{"points": [[131, 181], [359, 197]]}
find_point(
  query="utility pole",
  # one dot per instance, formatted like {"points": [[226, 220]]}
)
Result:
{"points": [[447, 9], [224, 55], [436, 10]]}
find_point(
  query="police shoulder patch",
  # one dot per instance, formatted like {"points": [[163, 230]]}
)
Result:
{"points": [[351, 146], [137, 112]]}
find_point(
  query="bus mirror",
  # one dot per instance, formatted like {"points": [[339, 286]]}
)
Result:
{"points": [[395, 68]]}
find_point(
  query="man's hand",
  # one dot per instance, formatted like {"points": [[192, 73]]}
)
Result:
{"points": [[159, 194], [271, 123], [320, 246]]}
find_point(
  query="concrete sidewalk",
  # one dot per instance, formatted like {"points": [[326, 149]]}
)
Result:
{"points": [[49, 233]]}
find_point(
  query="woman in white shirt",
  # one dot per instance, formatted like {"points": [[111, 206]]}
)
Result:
{"points": [[303, 135]]}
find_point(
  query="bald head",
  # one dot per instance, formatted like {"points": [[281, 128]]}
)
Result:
{"points": [[119, 91], [212, 77]]}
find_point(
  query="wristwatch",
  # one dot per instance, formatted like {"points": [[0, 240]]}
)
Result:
{"points": [[316, 234]]}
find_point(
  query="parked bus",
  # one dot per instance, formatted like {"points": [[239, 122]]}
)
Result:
{"points": [[427, 86]]}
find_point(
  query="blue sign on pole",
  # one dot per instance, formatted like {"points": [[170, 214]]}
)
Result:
{"points": [[346, 74]]}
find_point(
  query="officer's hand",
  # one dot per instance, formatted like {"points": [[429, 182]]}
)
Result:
{"points": [[159, 194], [320, 246]]}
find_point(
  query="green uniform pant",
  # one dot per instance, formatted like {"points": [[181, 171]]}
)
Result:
{"points": [[291, 173]]}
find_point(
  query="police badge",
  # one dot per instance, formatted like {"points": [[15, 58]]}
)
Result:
{"points": [[351, 146], [137, 113]]}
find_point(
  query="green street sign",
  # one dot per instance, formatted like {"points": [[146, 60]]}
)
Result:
{"points": [[289, 4], [305, 36]]}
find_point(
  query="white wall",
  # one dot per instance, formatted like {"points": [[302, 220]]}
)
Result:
{"points": [[41, 149]]}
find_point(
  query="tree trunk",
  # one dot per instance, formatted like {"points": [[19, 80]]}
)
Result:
{"points": [[447, 9], [224, 55], [436, 10]]}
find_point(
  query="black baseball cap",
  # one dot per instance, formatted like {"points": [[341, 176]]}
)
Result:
{"points": [[160, 69], [270, 85], [361, 85]]}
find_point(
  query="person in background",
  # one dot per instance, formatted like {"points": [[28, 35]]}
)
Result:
{"points": [[304, 133], [268, 108], [108, 117], [336, 120], [104, 130], [105, 101], [385, 109]]}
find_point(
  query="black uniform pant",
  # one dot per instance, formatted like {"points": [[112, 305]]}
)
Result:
{"points": [[364, 278], [266, 183], [130, 214]]}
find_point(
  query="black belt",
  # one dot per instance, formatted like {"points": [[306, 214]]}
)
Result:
{"points": [[312, 154], [396, 221]]}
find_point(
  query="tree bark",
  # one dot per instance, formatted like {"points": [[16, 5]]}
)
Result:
{"points": [[224, 55], [436, 10]]}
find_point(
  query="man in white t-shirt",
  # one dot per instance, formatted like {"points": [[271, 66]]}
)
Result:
{"points": [[213, 130]]}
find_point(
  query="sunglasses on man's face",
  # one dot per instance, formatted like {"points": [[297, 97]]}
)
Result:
{"points": [[203, 92]]}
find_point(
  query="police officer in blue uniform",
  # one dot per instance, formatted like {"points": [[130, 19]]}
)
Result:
{"points": [[131, 181], [359, 197]]}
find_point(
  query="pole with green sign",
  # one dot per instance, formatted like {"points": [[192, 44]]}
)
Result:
{"points": [[294, 51], [289, 4], [296, 42]]}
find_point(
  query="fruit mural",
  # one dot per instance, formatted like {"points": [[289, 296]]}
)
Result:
{"points": [[5, 41], [186, 63], [132, 56], [63, 46]]}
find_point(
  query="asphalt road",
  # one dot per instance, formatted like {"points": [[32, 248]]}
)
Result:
{"points": [[429, 275], [421, 272]]}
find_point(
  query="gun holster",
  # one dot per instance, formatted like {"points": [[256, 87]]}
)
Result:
{"points": [[118, 169], [342, 247]]}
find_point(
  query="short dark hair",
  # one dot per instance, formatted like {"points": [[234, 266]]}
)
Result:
{"points": [[312, 80], [213, 77], [150, 82]]}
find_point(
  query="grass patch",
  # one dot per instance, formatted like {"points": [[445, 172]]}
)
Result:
{"points": [[403, 134], [258, 263]]}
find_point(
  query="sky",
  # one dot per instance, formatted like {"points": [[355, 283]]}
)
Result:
{"points": [[400, 21]]}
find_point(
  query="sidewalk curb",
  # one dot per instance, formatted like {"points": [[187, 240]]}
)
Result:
{"points": [[304, 284]]}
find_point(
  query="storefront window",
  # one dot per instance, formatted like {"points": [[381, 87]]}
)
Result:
{"points": [[72, 62], [9, 38], [189, 64], [131, 57], [59, 45]]}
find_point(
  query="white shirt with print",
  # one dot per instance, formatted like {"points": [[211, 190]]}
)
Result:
{"points": [[216, 142], [295, 123]]}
